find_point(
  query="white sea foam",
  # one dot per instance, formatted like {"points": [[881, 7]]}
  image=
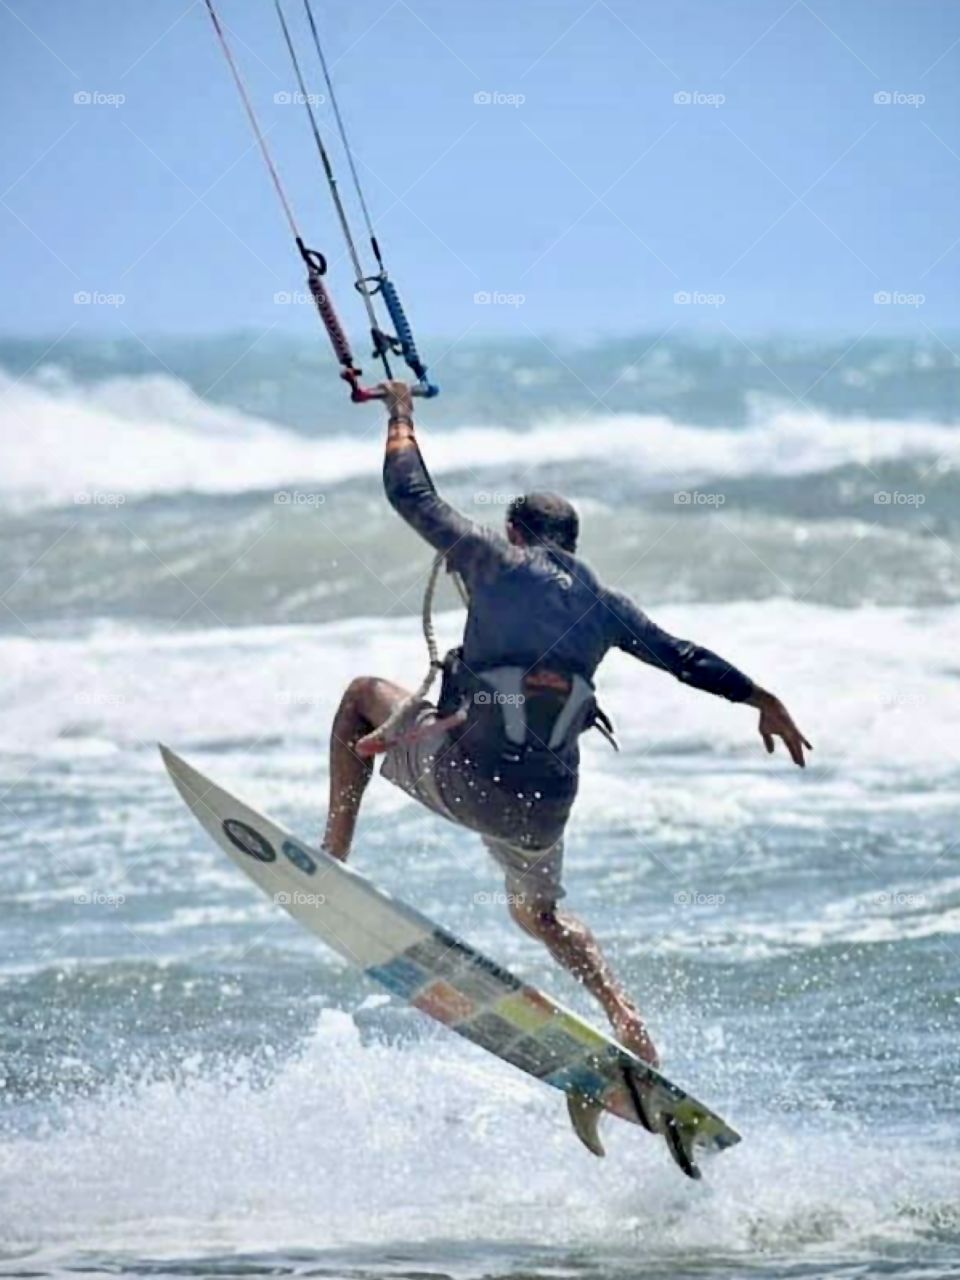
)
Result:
{"points": [[875, 688], [373, 1145], [136, 436]]}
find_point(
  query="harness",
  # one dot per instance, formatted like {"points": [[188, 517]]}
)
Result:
{"points": [[524, 712]]}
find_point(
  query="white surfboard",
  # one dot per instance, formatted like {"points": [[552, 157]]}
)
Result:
{"points": [[431, 969]]}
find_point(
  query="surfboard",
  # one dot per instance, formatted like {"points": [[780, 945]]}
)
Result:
{"points": [[449, 980]]}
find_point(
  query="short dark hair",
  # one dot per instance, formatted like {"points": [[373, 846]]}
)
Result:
{"points": [[545, 517]]}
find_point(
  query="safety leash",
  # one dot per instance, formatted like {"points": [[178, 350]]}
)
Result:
{"points": [[386, 735]]}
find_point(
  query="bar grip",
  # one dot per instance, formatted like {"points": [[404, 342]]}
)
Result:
{"points": [[360, 395], [405, 334]]}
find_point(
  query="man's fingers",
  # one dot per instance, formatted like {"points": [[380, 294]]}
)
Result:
{"points": [[778, 724]]}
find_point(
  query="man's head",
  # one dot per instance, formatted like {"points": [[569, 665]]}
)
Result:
{"points": [[543, 517]]}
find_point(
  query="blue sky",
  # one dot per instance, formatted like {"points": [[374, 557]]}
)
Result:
{"points": [[783, 197]]}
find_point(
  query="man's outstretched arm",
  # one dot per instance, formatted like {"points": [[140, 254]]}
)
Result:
{"points": [[702, 669], [410, 490]]}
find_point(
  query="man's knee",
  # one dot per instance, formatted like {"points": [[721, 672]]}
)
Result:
{"points": [[362, 699], [537, 917], [359, 690], [372, 698]]}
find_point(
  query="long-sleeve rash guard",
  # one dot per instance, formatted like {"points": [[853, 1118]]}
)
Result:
{"points": [[537, 604]]}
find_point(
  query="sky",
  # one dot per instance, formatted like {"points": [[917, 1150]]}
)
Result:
{"points": [[571, 167]]}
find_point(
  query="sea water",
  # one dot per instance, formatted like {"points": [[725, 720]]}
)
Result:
{"points": [[191, 1085]]}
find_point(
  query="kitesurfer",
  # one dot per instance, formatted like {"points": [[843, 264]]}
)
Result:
{"points": [[499, 753]]}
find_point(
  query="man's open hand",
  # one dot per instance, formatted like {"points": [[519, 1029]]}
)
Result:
{"points": [[777, 722]]}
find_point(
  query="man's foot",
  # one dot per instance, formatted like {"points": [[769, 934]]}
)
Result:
{"points": [[631, 1030]]}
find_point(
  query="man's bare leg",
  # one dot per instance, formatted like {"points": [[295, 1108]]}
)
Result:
{"points": [[572, 944], [366, 704]]}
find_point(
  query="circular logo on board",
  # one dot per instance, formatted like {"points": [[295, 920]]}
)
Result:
{"points": [[249, 841], [302, 860]]}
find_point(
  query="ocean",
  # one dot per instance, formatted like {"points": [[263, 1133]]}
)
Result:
{"points": [[195, 548]]}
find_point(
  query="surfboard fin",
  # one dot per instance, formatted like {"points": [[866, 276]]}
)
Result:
{"points": [[680, 1144], [585, 1116]]}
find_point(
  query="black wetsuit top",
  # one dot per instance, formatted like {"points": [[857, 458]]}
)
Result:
{"points": [[538, 605]]}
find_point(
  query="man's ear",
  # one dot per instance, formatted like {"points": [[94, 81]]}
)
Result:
{"points": [[514, 535]]}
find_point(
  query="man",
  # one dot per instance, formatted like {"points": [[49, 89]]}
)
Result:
{"points": [[500, 755]]}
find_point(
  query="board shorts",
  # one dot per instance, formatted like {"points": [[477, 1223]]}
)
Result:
{"points": [[425, 768]]}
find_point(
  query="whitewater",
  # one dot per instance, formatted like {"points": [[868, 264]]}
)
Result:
{"points": [[191, 1086]]}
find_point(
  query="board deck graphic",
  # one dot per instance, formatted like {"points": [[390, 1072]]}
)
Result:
{"points": [[428, 967]]}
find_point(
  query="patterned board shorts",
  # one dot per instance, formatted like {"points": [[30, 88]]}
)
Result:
{"points": [[533, 877]]}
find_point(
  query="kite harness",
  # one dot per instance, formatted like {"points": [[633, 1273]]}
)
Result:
{"points": [[580, 709], [378, 286]]}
